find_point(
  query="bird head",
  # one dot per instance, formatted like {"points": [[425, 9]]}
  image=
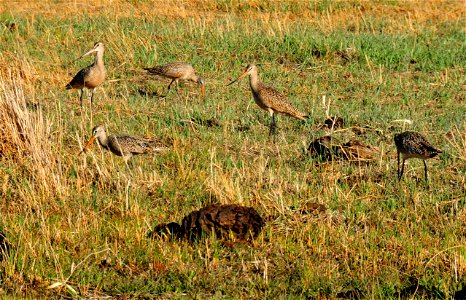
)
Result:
{"points": [[97, 131], [201, 82], [250, 68], [98, 47]]}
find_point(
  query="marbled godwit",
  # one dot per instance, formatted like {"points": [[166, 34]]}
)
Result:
{"points": [[178, 71], [268, 98], [91, 76], [412, 144], [221, 219], [124, 145]]}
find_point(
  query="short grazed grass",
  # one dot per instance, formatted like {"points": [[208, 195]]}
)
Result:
{"points": [[78, 224]]}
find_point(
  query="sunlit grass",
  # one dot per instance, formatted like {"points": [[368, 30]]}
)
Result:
{"points": [[82, 220]]}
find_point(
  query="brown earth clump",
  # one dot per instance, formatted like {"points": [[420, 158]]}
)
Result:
{"points": [[221, 220]]}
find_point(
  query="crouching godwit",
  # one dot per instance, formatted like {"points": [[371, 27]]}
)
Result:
{"points": [[412, 144], [269, 99], [91, 76], [178, 71], [123, 144]]}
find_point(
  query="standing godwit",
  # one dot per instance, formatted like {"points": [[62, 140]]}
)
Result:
{"points": [[91, 76], [124, 145], [268, 98], [178, 71], [412, 144]]}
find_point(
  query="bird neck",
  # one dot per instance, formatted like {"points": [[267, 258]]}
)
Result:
{"points": [[99, 59], [103, 140], [254, 80]]}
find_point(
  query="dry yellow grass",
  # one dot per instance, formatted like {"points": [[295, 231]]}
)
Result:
{"points": [[401, 15], [78, 224]]}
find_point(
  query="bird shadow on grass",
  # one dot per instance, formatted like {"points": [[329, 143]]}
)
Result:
{"points": [[199, 121], [414, 289], [155, 94]]}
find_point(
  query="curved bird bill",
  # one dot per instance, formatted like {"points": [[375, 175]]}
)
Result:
{"points": [[87, 53], [87, 145], [239, 77], [202, 90]]}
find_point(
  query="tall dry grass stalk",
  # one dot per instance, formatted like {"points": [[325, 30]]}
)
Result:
{"points": [[26, 141]]}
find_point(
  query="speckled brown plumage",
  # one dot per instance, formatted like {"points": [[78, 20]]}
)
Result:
{"points": [[268, 98], [177, 71], [124, 145], [411, 144], [91, 76], [354, 150], [219, 219]]}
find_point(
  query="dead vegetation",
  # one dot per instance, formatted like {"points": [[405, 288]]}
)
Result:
{"points": [[26, 138], [350, 14], [77, 225], [4, 246]]}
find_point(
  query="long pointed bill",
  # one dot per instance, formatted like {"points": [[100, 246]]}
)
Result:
{"points": [[239, 77], [87, 53], [202, 90], [88, 144]]}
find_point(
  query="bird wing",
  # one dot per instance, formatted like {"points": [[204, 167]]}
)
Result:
{"points": [[139, 145], [273, 99], [428, 149], [415, 144], [78, 80], [173, 70]]}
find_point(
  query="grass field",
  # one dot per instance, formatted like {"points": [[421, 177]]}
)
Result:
{"points": [[77, 224]]}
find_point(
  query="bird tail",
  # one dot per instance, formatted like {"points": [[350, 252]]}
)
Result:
{"points": [[301, 116], [431, 151], [68, 86]]}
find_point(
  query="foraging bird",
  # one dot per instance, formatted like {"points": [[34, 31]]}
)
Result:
{"points": [[122, 144], [219, 219], [412, 144], [357, 151], [91, 76], [268, 98], [178, 71]]}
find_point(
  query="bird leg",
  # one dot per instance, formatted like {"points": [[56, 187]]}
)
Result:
{"points": [[398, 164], [127, 163], [402, 169], [177, 87], [425, 168], [92, 97], [169, 86], [81, 97], [272, 127]]}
